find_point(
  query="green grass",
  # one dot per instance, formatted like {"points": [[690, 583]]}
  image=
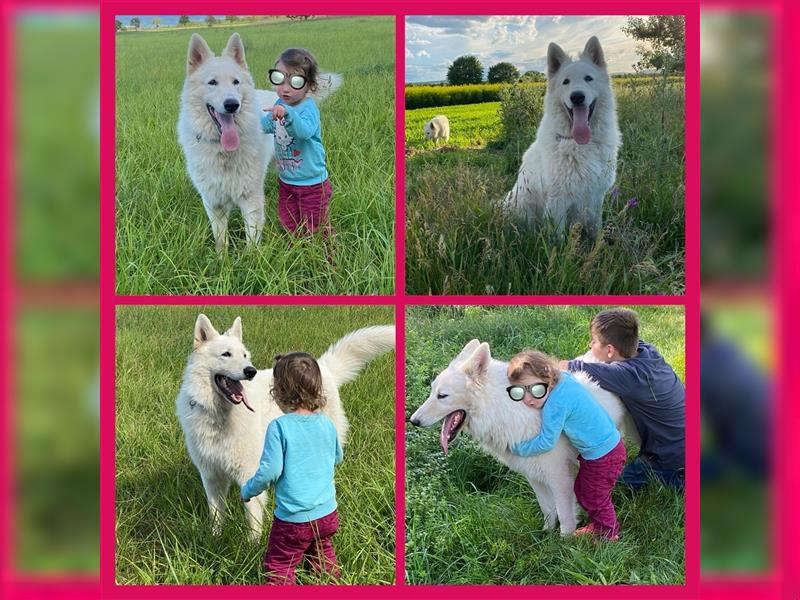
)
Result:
{"points": [[458, 242], [471, 520], [164, 243], [163, 531], [471, 125]]}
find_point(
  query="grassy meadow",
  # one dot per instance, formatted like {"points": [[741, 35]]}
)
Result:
{"points": [[164, 243], [458, 242], [471, 520], [163, 527]]}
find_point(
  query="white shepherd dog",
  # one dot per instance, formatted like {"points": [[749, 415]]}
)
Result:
{"points": [[224, 405], [573, 162], [219, 129], [470, 394]]}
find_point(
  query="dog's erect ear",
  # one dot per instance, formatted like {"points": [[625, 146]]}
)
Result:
{"points": [[235, 50], [594, 52], [203, 331], [199, 52], [555, 58], [477, 365], [236, 329], [466, 352]]}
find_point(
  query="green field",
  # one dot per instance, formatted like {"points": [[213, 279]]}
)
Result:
{"points": [[471, 520], [164, 243], [163, 527], [458, 242]]}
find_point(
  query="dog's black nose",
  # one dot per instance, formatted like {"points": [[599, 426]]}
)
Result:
{"points": [[231, 106], [250, 372], [577, 98], [414, 422]]}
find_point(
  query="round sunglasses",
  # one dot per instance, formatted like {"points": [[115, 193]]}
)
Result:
{"points": [[296, 82], [517, 392]]}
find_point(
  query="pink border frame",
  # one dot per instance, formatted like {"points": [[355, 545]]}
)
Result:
{"points": [[783, 581]]}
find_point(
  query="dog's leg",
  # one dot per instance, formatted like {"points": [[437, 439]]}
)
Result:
{"points": [[254, 219], [564, 498], [255, 516], [546, 503], [216, 489], [219, 226]]}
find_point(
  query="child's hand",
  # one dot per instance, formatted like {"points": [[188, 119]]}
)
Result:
{"points": [[563, 365], [278, 112]]}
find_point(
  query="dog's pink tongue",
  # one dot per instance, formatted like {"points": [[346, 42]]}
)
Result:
{"points": [[580, 125], [444, 434], [230, 137], [244, 398]]}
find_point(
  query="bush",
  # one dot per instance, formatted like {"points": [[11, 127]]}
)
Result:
{"points": [[520, 113]]}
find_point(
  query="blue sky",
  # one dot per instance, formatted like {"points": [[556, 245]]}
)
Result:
{"points": [[432, 43], [147, 20]]}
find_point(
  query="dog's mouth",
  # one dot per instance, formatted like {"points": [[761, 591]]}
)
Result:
{"points": [[451, 427], [232, 389], [226, 126], [580, 117]]}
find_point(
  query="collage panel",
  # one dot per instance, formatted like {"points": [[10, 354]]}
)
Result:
{"points": [[521, 469], [266, 399], [545, 155], [255, 155]]}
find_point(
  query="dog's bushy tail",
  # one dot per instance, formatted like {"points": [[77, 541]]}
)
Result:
{"points": [[349, 355], [327, 83]]}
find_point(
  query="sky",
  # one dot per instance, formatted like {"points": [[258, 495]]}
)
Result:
{"points": [[147, 20], [433, 43]]}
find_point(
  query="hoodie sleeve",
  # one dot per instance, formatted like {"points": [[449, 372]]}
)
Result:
{"points": [[554, 415], [271, 465], [339, 452], [267, 123], [614, 377], [301, 123]]}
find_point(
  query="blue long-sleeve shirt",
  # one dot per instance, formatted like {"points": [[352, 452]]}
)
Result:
{"points": [[299, 455], [571, 409], [299, 153], [655, 398]]}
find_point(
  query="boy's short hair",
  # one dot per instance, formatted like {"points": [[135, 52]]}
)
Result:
{"points": [[533, 362], [300, 58], [618, 327], [297, 382]]}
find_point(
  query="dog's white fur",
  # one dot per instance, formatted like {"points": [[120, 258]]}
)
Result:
{"points": [[476, 383], [225, 440], [232, 178], [560, 178], [438, 128]]}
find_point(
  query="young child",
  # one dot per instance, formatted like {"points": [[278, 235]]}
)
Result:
{"points": [[300, 451], [567, 407], [650, 390], [304, 190]]}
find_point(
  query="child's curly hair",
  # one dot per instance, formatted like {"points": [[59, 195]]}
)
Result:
{"points": [[538, 364], [297, 382], [300, 58]]}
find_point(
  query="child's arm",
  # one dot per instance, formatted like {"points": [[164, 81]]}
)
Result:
{"points": [[270, 467], [614, 377], [301, 124], [554, 414], [267, 122]]}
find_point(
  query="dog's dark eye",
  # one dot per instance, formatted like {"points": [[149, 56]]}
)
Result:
{"points": [[212, 82], [226, 354], [441, 396], [235, 82], [566, 82], [588, 78]]}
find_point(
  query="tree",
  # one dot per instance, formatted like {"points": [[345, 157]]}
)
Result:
{"points": [[231, 18], [502, 72], [156, 22], [135, 22], [664, 37], [465, 69], [211, 20], [184, 20], [531, 76], [118, 24]]}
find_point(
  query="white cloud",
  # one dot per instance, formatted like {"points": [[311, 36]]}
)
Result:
{"points": [[423, 53]]}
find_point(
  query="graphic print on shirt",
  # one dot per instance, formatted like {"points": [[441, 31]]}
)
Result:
{"points": [[286, 157]]}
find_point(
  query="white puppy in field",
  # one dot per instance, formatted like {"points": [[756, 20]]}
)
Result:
{"points": [[568, 169], [438, 128]]}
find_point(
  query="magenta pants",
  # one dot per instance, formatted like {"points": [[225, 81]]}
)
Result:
{"points": [[290, 543], [304, 205], [593, 485]]}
